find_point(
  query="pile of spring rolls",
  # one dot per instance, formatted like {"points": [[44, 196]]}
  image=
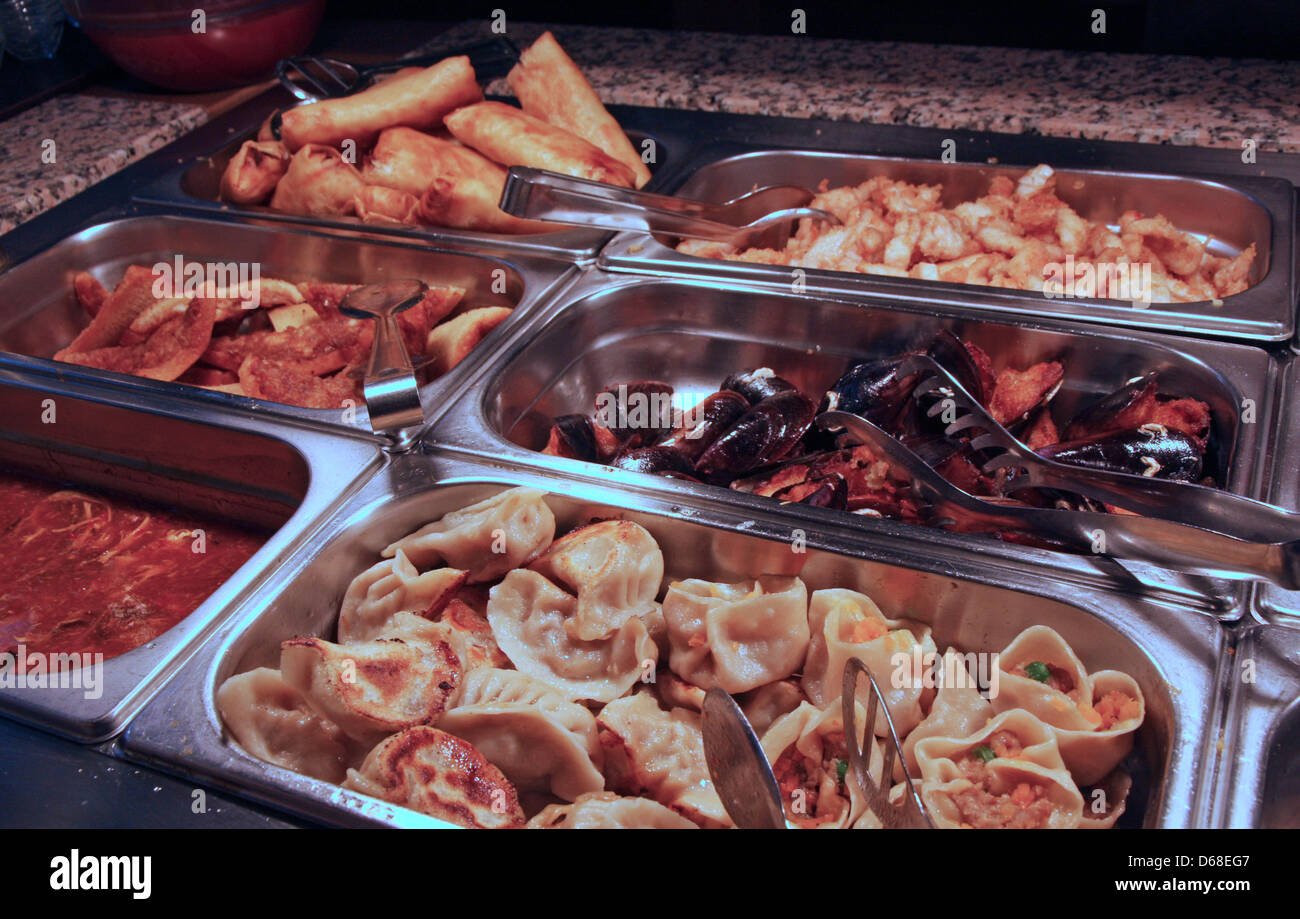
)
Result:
{"points": [[431, 150]]}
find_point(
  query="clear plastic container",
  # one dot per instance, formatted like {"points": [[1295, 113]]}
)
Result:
{"points": [[33, 28]]}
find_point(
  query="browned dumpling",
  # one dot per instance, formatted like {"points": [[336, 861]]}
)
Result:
{"points": [[253, 172], [318, 183], [440, 775]]}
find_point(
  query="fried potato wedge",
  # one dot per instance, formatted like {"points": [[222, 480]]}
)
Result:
{"points": [[451, 342]]}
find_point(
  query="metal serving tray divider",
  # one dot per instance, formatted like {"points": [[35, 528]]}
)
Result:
{"points": [[1257, 783], [974, 606], [1246, 208], [284, 477], [691, 333], [191, 183], [41, 313], [1272, 603]]}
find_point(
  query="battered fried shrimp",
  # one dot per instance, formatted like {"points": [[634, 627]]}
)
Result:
{"points": [[1020, 236]]}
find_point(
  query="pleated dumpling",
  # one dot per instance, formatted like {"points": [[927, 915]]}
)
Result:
{"points": [[541, 741], [845, 624], [957, 710], [614, 567], [486, 539], [605, 810], [1009, 774], [810, 760], [661, 754], [1094, 716], [389, 587], [433, 772], [532, 621], [375, 688], [737, 636], [272, 721]]}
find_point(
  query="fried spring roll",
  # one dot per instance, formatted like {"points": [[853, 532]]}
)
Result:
{"points": [[318, 183], [549, 85], [409, 160], [469, 202], [515, 138], [378, 204], [253, 172], [417, 100]]}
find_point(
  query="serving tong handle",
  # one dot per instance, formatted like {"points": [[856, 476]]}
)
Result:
{"points": [[313, 78], [911, 813], [541, 195], [391, 389], [1165, 543], [1181, 502], [740, 771]]}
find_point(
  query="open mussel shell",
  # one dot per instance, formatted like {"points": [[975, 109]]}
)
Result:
{"points": [[1100, 417], [757, 385], [639, 408], [655, 460], [1151, 450], [827, 491], [767, 432], [572, 436], [705, 423]]}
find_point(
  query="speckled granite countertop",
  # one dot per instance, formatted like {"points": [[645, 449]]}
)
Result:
{"points": [[1211, 102], [92, 138]]}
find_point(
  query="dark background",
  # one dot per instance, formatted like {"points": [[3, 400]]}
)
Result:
{"points": [[1239, 28]]}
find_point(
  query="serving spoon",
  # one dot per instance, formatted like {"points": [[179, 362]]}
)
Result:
{"points": [[391, 390]]}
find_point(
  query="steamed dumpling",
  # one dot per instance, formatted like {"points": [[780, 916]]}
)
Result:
{"points": [[604, 810], [486, 539], [433, 772], [540, 740], [532, 620], [737, 636], [389, 587], [661, 754], [272, 721], [615, 568]]}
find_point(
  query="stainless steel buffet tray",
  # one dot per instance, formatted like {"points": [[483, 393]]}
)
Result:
{"points": [[971, 606], [1272, 602], [282, 478], [692, 333], [192, 182], [40, 313], [1232, 211], [1258, 782]]}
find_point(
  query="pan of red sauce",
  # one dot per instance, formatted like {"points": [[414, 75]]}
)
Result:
{"points": [[97, 573]]}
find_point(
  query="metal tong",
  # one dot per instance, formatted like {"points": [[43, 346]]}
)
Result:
{"points": [[542, 195], [1169, 544], [740, 771], [313, 78], [391, 389], [910, 813]]}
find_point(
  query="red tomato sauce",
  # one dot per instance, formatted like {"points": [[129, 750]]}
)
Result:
{"points": [[90, 572]]}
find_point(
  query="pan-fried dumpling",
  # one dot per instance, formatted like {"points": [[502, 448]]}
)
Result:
{"points": [[486, 539], [615, 567], [532, 620], [737, 636], [389, 587], [661, 754], [433, 772], [375, 688], [810, 760], [1009, 774], [540, 740], [958, 709], [1094, 717], [272, 721], [471, 625], [604, 810], [844, 624]]}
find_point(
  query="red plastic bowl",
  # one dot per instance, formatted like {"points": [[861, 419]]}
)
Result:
{"points": [[157, 42]]}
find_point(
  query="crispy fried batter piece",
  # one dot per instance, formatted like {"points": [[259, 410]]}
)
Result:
{"points": [[1018, 392], [132, 296], [164, 355], [315, 348], [285, 381], [90, 293]]}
